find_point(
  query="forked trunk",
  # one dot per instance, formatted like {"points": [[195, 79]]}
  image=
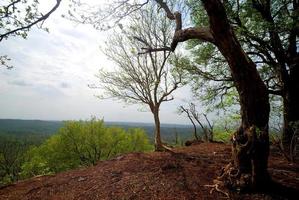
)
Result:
{"points": [[250, 148]]}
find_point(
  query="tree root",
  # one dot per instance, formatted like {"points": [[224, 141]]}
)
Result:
{"points": [[216, 188], [164, 148], [167, 148], [232, 178]]}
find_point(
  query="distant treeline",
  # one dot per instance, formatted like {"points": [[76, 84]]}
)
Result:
{"points": [[170, 132], [20, 127]]}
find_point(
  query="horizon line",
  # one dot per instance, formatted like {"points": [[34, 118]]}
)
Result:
{"points": [[54, 120]]}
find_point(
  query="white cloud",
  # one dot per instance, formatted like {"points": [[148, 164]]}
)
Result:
{"points": [[21, 83]]}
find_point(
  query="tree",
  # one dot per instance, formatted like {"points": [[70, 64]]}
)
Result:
{"points": [[17, 17], [182, 109], [251, 140], [267, 32], [146, 77], [194, 116], [12, 153], [278, 50]]}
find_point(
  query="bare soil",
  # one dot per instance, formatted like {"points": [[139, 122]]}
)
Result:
{"points": [[156, 175]]}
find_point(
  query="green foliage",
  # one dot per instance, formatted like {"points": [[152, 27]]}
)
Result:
{"points": [[226, 126], [12, 153], [82, 143], [35, 163], [222, 136], [41, 154], [18, 14], [17, 17], [208, 72]]}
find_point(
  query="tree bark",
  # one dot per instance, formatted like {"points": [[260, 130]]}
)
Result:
{"points": [[158, 141], [291, 95], [290, 105], [250, 149]]}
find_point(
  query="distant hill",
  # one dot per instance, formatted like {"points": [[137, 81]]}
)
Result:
{"points": [[21, 127], [169, 132], [17, 126]]}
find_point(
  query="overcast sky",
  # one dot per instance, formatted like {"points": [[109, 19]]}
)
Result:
{"points": [[51, 74]]}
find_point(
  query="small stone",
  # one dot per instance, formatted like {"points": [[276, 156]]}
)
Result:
{"points": [[81, 179]]}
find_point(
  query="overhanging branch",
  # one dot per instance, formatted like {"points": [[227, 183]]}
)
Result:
{"points": [[28, 26], [181, 35]]}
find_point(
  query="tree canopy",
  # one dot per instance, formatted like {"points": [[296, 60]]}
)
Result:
{"points": [[146, 72]]}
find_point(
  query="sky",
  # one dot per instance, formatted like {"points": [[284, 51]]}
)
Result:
{"points": [[52, 72]]}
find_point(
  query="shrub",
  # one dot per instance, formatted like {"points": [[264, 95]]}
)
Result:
{"points": [[82, 143]]}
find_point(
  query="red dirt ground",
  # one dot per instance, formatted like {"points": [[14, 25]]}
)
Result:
{"points": [[156, 175]]}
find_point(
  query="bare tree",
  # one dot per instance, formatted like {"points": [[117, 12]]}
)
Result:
{"points": [[149, 78], [194, 116], [182, 109], [210, 129]]}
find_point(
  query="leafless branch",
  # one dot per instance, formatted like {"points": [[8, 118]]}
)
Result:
{"points": [[187, 111]]}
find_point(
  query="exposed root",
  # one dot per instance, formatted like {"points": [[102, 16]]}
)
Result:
{"points": [[234, 179], [164, 148], [216, 188], [167, 148]]}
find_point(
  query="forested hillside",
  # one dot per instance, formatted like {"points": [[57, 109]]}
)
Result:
{"points": [[75, 144], [20, 127], [40, 127]]}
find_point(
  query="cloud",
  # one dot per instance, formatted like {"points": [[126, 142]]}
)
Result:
{"points": [[64, 85], [20, 83], [49, 91]]}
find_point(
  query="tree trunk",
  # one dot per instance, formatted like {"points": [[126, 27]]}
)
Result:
{"points": [[288, 68], [158, 141], [250, 149], [290, 105], [291, 99]]}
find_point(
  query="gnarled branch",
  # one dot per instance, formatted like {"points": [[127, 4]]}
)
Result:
{"points": [[181, 35]]}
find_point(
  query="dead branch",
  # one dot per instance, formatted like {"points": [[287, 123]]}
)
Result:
{"points": [[187, 111]]}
